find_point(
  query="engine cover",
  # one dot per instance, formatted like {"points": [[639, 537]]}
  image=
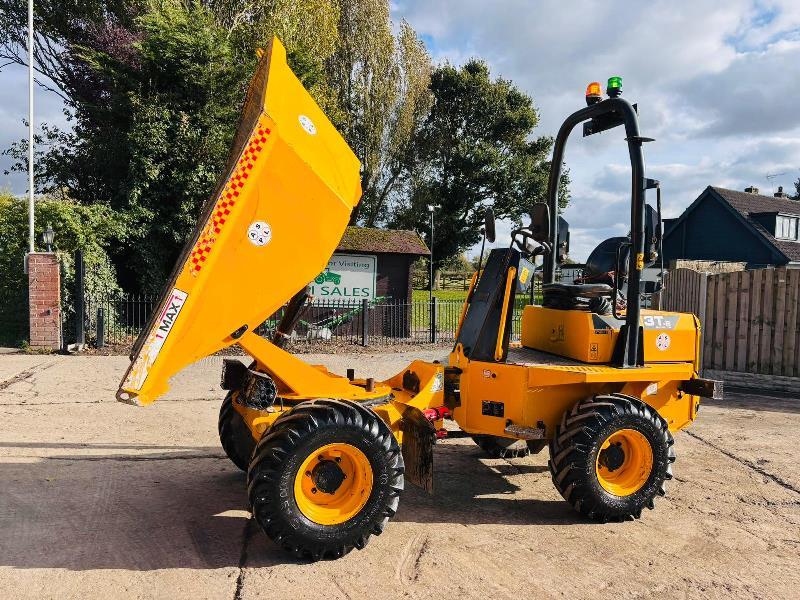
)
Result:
{"points": [[590, 338]]}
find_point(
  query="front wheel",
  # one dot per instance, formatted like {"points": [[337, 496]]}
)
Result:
{"points": [[611, 456], [325, 477]]}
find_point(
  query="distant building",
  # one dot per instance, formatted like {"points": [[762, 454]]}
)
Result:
{"points": [[373, 266], [390, 252], [726, 225]]}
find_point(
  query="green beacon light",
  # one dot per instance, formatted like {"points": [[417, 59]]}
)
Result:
{"points": [[614, 87]]}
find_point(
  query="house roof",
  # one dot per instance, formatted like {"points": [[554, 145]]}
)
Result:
{"points": [[749, 204], [745, 205], [382, 241]]}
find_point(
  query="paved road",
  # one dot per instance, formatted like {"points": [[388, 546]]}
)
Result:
{"points": [[100, 499]]}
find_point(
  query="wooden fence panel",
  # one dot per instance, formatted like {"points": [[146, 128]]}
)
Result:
{"points": [[750, 319], [790, 342], [767, 329], [743, 321], [707, 323], [682, 290], [780, 321], [731, 319], [753, 344], [796, 356], [719, 321]]}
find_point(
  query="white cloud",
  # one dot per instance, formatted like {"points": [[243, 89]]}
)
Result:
{"points": [[755, 95], [716, 85]]}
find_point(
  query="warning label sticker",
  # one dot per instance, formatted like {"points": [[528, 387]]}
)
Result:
{"points": [[172, 309], [151, 348]]}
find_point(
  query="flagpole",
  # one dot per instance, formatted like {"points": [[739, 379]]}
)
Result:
{"points": [[30, 127]]}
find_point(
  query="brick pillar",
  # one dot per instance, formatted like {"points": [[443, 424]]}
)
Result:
{"points": [[44, 300]]}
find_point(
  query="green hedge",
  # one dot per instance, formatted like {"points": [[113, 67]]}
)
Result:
{"points": [[76, 226]]}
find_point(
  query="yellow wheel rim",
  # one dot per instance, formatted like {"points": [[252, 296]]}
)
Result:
{"points": [[624, 462], [333, 484]]}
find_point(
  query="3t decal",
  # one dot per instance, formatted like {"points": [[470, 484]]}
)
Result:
{"points": [[660, 321]]}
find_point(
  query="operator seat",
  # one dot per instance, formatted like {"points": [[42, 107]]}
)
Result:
{"points": [[593, 291]]}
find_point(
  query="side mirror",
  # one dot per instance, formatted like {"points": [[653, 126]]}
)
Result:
{"points": [[488, 225], [540, 222], [563, 240]]}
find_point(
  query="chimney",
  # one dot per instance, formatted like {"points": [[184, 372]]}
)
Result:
{"points": [[780, 193], [751, 190]]}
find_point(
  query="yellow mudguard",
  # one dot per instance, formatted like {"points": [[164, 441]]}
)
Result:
{"points": [[276, 217]]}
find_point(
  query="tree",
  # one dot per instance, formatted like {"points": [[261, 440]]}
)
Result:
{"points": [[458, 263], [797, 189], [152, 131], [475, 150], [89, 228], [60, 27], [381, 83], [64, 27], [154, 91], [308, 30]]}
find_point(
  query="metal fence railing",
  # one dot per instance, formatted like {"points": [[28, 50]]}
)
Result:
{"points": [[117, 319], [363, 322]]}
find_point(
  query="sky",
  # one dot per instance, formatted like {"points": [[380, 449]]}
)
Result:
{"points": [[714, 82]]}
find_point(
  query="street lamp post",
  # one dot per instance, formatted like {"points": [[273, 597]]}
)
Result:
{"points": [[431, 299], [30, 128], [431, 208]]}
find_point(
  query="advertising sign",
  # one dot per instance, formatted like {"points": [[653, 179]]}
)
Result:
{"points": [[349, 277]]}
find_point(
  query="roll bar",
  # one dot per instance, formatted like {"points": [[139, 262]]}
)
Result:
{"points": [[601, 116]]}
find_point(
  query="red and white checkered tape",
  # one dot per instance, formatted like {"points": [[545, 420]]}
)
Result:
{"points": [[227, 200]]}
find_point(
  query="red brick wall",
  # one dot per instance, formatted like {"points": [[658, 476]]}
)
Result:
{"points": [[44, 293]]}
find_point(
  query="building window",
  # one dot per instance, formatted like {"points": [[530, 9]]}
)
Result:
{"points": [[786, 228]]}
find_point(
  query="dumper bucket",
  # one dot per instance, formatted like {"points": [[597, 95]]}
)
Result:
{"points": [[276, 217]]}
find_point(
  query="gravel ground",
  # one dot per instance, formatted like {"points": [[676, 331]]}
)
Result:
{"points": [[104, 500]]}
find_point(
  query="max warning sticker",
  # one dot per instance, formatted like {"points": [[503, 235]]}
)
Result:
{"points": [[156, 339], [168, 317]]}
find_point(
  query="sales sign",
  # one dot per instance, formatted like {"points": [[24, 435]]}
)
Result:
{"points": [[347, 277]]}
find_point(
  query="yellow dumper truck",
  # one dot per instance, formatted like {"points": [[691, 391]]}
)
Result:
{"points": [[601, 381]]}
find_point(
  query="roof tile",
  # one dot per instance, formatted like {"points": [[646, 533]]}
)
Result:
{"points": [[382, 241]]}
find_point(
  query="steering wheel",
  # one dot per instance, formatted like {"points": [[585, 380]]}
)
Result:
{"points": [[525, 242]]}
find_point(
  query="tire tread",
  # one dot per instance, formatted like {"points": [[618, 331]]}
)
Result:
{"points": [[231, 429], [283, 437], [579, 428]]}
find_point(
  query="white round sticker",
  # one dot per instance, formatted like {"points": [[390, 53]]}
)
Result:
{"points": [[259, 233], [662, 341], [307, 124]]}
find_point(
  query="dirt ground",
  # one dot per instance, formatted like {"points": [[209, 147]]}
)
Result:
{"points": [[104, 500]]}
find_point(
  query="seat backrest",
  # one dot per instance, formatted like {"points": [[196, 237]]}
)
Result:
{"points": [[478, 333], [603, 260]]}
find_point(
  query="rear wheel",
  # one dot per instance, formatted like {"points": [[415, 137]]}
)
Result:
{"points": [[324, 478], [234, 435], [501, 447], [610, 457]]}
